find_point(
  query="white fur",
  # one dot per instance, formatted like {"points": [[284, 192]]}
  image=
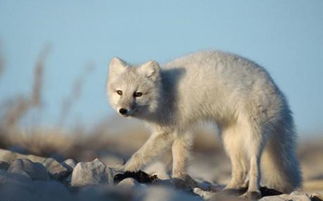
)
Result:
{"points": [[237, 94]]}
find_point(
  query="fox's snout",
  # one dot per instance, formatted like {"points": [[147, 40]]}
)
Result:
{"points": [[123, 111]]}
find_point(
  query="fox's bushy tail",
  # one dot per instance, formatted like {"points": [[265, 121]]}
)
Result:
{"points": [[280, 166]]}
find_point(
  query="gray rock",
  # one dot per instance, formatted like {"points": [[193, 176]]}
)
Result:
{"points": [[206, 195], [91, 173], [294, 196], [128, 183], [300, 196], [16, 187], [69, 164], [4, 165], [55, 169], [36, 171], [7, 156], [273, 198]]}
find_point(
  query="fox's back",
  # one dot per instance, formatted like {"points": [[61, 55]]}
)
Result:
{"points": [[220, 67], [214, 83]]}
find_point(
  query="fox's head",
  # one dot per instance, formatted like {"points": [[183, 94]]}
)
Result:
{"points": [[133, 91]]}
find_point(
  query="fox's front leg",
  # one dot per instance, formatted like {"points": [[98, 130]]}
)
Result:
{"points": [[181, 151], [153, 147]]}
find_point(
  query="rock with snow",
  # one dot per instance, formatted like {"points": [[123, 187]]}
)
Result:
{"points": [[91, 173]]}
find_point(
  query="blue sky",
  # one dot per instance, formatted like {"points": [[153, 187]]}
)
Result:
{"points": [[286, 37]]}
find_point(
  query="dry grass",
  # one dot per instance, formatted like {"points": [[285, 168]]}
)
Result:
{"points": [[16, 108], [75, 94], [2, 62]]}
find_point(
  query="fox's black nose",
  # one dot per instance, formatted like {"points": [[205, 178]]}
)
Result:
{"points": [[123, 111]]}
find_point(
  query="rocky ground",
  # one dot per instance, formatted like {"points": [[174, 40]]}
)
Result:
{"points": [[29, 177]]}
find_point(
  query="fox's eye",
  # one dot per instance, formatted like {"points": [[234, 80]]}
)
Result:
{"points": [[137, 94], [119, 92]]}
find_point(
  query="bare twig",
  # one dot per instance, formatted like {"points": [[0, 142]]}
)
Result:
{"points": [[22, 104], [38, 77], [2, 62], [75, 94]]}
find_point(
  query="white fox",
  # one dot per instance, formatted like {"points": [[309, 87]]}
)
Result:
{"points": [[237, 94]]}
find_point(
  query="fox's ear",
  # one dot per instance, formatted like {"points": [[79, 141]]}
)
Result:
{"points": [[117, 66], [150, 70]]}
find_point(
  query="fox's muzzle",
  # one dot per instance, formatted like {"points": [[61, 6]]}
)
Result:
{"points": [[123, 111]]}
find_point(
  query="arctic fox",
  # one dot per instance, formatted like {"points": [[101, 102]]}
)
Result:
{"points": [[252, 114]]}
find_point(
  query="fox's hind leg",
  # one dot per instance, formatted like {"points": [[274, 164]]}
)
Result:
{"points": [[234, 145], [255, 136]]}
